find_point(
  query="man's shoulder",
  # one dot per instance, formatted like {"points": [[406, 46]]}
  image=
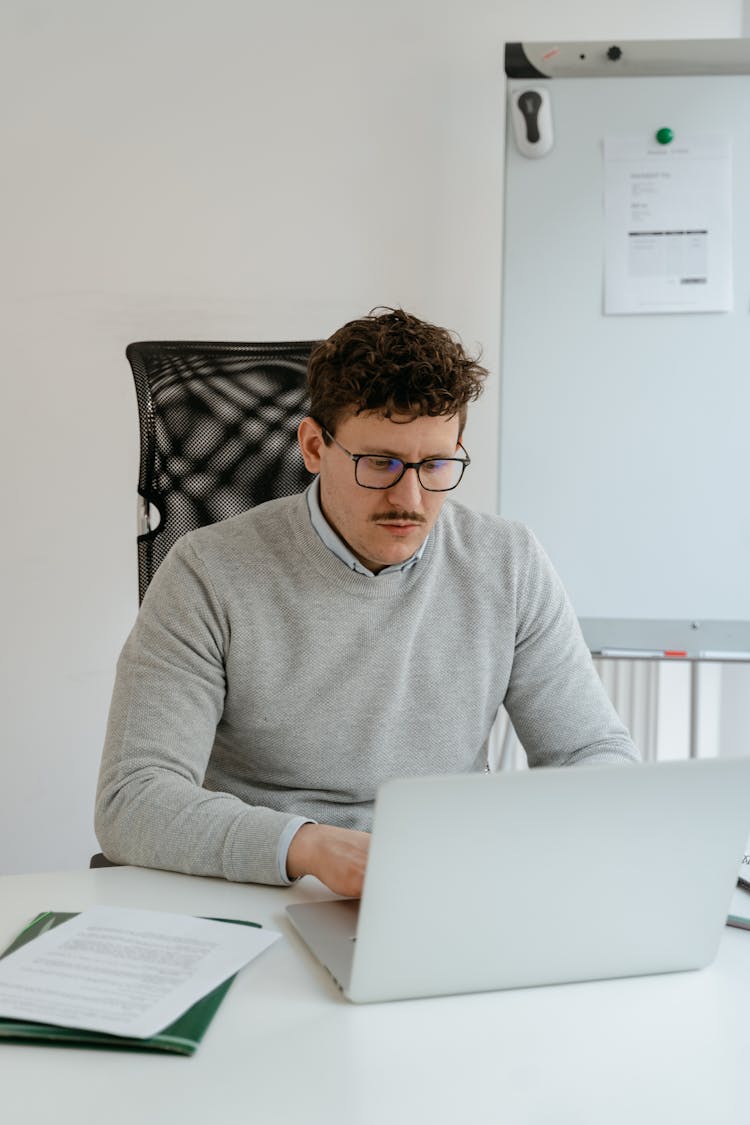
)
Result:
{"points": [[482, 530], [504, 552], [260, 526]]}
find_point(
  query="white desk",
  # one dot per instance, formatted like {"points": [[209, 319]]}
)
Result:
{"points": [[286, 1047]]}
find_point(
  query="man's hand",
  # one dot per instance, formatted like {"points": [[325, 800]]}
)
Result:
{"points": [[336, 856]]}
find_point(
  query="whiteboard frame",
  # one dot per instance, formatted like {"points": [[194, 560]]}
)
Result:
{"points": [[640, 638]]}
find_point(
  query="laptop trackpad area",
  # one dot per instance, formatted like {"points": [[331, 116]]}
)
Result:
{"points": [[329, 929]]}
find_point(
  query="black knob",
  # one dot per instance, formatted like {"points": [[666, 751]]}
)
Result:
{"points": [[614, 53]]}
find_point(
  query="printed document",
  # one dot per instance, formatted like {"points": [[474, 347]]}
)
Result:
{"points": [[668, 213], [126, 972]]}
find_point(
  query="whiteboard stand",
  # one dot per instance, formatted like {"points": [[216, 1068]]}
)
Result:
{"points": [[646, 714]]}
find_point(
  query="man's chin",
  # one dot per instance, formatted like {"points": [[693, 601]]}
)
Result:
{"points": [[398, 548]]}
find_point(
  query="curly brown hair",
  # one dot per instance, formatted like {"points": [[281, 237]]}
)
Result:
{"points": [[393, 363]]}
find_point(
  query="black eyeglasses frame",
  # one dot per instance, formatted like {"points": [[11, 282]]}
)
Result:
{"points": [[405, 465]]}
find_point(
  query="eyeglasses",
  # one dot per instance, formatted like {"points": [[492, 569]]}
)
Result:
{"points": [[435, 474]]}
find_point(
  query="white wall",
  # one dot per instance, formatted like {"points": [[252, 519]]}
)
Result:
{"points": [[217, 169]]}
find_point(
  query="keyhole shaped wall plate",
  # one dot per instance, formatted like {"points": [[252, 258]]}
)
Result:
{"points": [[531, 116]]}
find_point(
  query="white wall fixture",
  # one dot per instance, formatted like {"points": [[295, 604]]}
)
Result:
{"points": [[531, 115]]}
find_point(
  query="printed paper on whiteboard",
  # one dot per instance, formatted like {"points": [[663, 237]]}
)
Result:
{"points": [[668, 212]]}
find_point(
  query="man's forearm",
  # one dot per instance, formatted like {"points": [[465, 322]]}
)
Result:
{"points": [[160, 819]]}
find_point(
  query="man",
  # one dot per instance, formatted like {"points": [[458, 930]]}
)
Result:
{"points": [[286, 662]]}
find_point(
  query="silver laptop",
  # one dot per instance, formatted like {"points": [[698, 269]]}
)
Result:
{"points": [[543, 876]]}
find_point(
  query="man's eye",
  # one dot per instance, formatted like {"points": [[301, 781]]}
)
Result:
{"points": [[383, 464], [436, 465]]}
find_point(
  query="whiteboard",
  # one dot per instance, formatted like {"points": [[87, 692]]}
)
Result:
{"points": [[625, 440]]}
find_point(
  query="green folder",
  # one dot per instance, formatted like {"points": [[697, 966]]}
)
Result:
{"points": [[181, 1037]]}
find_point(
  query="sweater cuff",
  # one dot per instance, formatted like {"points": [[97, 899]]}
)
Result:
{"points": [[285, 839], [252, 848]]}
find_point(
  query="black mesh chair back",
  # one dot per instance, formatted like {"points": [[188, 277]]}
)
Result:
{"points": [[218, 428]]}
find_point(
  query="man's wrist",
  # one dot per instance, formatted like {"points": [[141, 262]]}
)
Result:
{"points": [[285, 842], [300, 851]]}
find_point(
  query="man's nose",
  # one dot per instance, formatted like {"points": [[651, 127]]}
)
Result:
{"points": [[407, 492]]}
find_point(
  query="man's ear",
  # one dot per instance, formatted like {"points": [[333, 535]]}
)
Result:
{"points": [[310, 440]]}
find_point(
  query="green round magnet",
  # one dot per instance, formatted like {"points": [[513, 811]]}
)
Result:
{"points": [[664, 136]]}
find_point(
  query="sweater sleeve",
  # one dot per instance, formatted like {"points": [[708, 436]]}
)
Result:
{"points": [[151, 807], [555, 700]]}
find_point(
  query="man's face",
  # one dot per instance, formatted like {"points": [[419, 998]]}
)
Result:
{"points": [[381, 527]]}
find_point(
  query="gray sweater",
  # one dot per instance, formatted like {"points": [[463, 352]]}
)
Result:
{"points": [[265, 680]]}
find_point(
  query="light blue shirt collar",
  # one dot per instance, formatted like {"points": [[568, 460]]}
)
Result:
{"points": [[337, 545]]}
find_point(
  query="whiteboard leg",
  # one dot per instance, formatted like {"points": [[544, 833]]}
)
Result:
{"points": [[695, 707], [654, 685]]}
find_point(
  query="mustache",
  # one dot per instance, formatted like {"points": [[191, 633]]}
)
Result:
{"points": [[398, 517]]}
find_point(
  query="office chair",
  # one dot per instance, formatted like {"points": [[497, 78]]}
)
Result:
{"points": [[218, 435], [218, 426]]}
